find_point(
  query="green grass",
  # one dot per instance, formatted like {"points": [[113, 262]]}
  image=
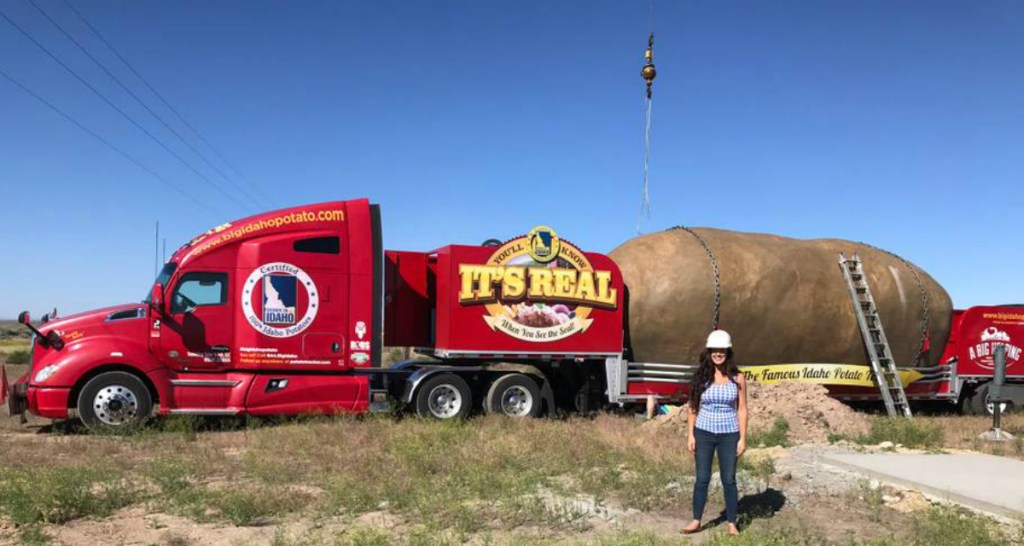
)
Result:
{"points": [[33, 535], [173, 477], [461, 475], [19, 356], [898, 430], [8, 346], [778, 435], [58, 495], [468, 477], [955, 527], [762, 468], [254, 506], [872, 499], [444, 483], [12, 332], [180, 491], [834, 437]]}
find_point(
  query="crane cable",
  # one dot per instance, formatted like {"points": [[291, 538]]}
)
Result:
{"points": [[648, 73]]}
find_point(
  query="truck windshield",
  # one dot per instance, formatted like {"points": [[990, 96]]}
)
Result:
{"points": [[162, 278]]}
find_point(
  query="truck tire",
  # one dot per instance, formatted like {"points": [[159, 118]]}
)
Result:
{"points": [[973, 401], [514, 395], [114, 400], [445, 396], [980, 404]]}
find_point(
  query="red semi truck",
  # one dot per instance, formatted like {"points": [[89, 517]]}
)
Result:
{"points": [[288, 312]]}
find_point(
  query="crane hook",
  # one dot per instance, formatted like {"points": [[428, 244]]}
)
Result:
{"points": [[648, 72]]}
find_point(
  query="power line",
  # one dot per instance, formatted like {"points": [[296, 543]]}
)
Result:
{"points": [[106, 142], [174, 110], [141, 102], [119, 110]]}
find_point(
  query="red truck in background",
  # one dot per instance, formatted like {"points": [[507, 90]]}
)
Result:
{"points": [[288, 312]]}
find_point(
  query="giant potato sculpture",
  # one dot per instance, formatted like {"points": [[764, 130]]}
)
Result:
{"points": [[783, 300]]}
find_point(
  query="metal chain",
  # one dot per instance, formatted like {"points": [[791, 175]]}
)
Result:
{"points": [[920, 290], [714, 270]]}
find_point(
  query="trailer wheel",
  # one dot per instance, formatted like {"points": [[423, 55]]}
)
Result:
{"points": [[981, 405], [445, 396], [514, 395], [114, 400], [976, 402]]}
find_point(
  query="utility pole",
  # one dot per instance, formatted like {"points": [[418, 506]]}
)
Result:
{"points": [[156, 251]]}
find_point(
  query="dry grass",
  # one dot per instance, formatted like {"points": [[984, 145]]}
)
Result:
{"points": [[487, 481], [961, 432], [8, 346], [472, 477]]}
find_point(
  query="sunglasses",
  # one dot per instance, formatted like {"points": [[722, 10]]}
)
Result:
{"points": [[719, 351]]}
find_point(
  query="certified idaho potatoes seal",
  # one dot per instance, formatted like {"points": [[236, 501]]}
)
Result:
{"points": [[279, 300]]}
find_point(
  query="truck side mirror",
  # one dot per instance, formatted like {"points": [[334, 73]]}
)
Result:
{"points": [[156, 298], [24, 318]]}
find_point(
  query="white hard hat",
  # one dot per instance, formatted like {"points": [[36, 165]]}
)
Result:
{"points": [[719, 339]]}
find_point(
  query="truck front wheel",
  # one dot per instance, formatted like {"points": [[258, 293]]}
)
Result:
{"points": [[445, 396], [515, 395], [114, 400]]}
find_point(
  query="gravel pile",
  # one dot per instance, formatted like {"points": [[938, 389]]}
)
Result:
{"points": [[811, 414]]}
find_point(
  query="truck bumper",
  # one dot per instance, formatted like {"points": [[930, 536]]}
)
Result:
{"points": [[49, 402]]}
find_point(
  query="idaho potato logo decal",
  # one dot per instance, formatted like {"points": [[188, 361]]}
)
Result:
{"points": [[544, 244], [279, 300], [537, 288]]}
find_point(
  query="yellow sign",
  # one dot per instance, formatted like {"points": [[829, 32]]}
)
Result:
{"points": [[537, 288], [856, 375]]}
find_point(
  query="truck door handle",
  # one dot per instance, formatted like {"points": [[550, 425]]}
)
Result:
{"points": [[220, 349]]}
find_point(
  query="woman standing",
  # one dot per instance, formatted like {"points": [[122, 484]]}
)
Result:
{"points": [[717, 421]]}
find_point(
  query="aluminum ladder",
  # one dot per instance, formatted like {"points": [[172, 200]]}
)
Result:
{"points": [[886, 375]]}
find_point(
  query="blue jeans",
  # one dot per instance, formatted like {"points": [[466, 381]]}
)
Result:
{"points": [[707, 443]]}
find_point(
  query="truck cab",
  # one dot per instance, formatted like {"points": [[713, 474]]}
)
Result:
{"points": [[273, 313]]}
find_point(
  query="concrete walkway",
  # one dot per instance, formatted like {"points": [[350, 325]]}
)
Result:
{"points": [[983, 482]]}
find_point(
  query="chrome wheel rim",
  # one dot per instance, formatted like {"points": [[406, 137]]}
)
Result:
{"points": [[115, 405], [991, 407], [516, 401], [444, 401]]}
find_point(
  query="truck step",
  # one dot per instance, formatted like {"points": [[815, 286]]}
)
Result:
{"points": [[379, 401]]}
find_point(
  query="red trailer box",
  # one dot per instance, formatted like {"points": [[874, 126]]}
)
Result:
{"points": [[978, 331], [535, 296]]}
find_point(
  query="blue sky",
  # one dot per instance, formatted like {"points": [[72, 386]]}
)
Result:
{"points": [[896, 123]]}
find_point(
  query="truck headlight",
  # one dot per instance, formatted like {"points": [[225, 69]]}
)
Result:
{"points": [[45, 373]]}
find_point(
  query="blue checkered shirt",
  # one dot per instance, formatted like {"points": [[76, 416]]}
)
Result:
{"points": [[718, 409]]}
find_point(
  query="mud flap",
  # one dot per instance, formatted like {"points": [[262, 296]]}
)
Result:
{"points": [[548, 396], [15, 396]]}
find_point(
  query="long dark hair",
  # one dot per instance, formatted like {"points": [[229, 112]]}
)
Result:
{"points": [[705, 374]]}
